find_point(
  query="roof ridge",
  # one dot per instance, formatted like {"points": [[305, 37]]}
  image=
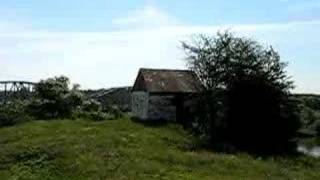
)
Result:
{"points": [[154, 69]]}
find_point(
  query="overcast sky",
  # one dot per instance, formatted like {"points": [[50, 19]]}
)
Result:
{"points": [[101, 44]]}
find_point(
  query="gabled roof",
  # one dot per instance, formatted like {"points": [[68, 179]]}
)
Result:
{"points": [[167, 81]]}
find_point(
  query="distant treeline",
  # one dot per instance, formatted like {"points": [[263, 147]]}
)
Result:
{"points": [[309, 113]]}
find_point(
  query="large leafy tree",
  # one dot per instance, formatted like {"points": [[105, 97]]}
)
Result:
{"points": [[247, 98]]}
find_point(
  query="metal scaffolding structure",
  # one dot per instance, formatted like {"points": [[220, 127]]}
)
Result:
{"points": [[15, 89]]}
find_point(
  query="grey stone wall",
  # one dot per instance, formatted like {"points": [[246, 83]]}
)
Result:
{"points": [[140, 104], [161, 107], [154, 107]]}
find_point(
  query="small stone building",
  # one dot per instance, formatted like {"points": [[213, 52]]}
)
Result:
{"points": [[162, 94]]}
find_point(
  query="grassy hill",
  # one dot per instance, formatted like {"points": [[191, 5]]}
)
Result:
{"points": [[122, 149]]}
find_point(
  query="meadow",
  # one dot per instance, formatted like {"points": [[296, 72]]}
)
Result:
{"points": [[124, 149]]}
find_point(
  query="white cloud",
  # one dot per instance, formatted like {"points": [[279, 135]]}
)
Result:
{"points": [[106, 59]]}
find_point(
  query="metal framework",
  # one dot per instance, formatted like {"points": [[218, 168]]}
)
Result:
{"points": [[15, 89]]}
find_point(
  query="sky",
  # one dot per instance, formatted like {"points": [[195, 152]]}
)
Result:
{"points": [[102, 44]]}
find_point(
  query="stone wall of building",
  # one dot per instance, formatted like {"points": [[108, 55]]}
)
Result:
{"points": [[140, 104], [161, 107]]}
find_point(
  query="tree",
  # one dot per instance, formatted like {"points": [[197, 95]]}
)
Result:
{"points": [[54, 98], [247, 93]]}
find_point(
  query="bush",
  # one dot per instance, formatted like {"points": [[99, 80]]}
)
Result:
{"points": [[92, 109], [308, 116], [12, 113], [115, 111], [312, 102], [91, 106], [54, 99], [96, 116]]}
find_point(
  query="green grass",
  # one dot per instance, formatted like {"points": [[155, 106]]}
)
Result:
{"points": [[122, 149]]}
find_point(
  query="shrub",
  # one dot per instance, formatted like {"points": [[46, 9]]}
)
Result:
{"points": [[95, 116], [114, 110], [73, 101], [13, 112], [91, 106], [54, 99], [92, 109], [308, 116], [312, 102]]}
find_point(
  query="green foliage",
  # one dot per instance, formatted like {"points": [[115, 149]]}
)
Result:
{"points": [[115, 111], [223, 60], [309, 116], [311, 101], [91, 106], [93, 110], [13, 112], [95, 115], [55, 99], [310, 113], [317, 128], [53, 88], [122, 149], [247, 99]]}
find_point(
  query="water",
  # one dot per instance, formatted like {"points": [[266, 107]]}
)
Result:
{"points": [[314, 151]]}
